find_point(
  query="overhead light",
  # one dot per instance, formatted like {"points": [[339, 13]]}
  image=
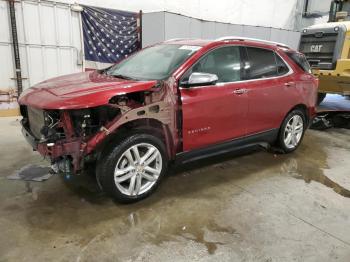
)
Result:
{"points": [[76, 8]]}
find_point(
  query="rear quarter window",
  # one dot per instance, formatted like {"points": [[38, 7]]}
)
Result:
{"points": [[300, 60]]}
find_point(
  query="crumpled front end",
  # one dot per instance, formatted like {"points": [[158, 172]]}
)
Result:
{"points": [[61, 135], [71, 137]]}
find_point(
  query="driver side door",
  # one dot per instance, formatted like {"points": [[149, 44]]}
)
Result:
{"points": [[214, 113]]}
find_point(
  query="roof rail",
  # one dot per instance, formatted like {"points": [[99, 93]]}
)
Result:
{"points": [[251, 39]]}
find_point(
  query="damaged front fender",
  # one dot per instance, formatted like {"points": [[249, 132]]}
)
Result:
{"points": [[160, 105]]}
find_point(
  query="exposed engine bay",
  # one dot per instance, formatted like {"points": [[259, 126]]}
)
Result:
{"points": [[53, 127], [48, 125]]}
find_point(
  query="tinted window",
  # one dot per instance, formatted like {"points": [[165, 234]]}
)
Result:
{"points": [[224, 62], [300, 60], [261, 63], [282, 68]]}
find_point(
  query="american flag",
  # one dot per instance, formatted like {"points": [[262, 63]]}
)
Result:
{"points": [[109, 36]]}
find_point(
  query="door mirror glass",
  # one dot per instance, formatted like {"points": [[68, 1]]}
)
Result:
{"points": [[201, 79]]}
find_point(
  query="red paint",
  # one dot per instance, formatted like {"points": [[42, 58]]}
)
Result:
{"points": [[67, 124], [213, 114], [210, 114], [73, 148], [81, 90], [230, 116], [268, 102]]}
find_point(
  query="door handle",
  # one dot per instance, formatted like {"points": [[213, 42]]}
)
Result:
{"points": [[240, 91], [289, 84]]}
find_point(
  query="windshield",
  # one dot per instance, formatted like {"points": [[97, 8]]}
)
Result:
{"points": [[153, 63]]}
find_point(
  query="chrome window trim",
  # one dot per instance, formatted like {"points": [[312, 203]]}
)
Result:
{"points": [[290, 71]]}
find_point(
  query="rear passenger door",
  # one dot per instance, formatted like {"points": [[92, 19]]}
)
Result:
{"points": [[269, 85]]}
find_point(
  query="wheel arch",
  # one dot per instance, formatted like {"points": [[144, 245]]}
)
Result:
{"points": [[279, 143], [304, 109], [149, 126]]}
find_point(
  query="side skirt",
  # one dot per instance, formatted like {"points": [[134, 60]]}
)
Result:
{"points": [[229, 146]]}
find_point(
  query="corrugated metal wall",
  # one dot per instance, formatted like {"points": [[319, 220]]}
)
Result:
{"points": [[49, 40], [160, 26]]}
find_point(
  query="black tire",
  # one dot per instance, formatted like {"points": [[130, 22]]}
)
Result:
{"points": [[320, 97], [281, 137], [109, 159]]}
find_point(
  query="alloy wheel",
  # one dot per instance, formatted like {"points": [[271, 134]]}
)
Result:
{"points": [[138, 169], [293, 131]]}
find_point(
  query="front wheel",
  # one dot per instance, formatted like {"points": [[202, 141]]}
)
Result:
{"points": [[132, 169], [292, 131]]}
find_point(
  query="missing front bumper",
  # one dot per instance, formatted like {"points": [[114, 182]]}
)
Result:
{"points": [[62, 153]]}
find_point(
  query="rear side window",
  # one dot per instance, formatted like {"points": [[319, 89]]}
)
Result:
{"points": [[261, 63], [300, 60]]}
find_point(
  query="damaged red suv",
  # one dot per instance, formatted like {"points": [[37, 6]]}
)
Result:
{"points": [[180, 100]]}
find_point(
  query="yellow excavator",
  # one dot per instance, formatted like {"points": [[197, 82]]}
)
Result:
{"points": [[327, 49]]}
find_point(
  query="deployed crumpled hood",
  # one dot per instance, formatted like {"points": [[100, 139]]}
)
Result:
{"points": [[81, 90]]}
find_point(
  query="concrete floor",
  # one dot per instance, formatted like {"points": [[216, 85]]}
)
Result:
{"points": [[255, 207]]}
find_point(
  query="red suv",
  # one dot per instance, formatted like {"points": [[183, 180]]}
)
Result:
{"points": [[179, 100]]}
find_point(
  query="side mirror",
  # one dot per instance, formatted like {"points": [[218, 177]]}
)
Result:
{"points": [[201, 79]]}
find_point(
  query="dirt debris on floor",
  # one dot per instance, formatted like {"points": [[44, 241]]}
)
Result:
{"points": [[252, 207]]}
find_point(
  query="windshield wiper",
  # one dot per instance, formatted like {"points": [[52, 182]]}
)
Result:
{"points": [[123, 77], [103, 71]]}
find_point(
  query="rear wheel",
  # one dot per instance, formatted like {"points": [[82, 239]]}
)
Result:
{"points": [[292, 131], [320, 97], [133, 168]]}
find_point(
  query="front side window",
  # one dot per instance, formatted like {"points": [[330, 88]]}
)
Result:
{"points": [[225, 62], [153, 63]]}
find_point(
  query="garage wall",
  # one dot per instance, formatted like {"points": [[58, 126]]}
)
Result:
{"points": [[49, 37], [160, 26], [284, 14], [49, 44]]}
